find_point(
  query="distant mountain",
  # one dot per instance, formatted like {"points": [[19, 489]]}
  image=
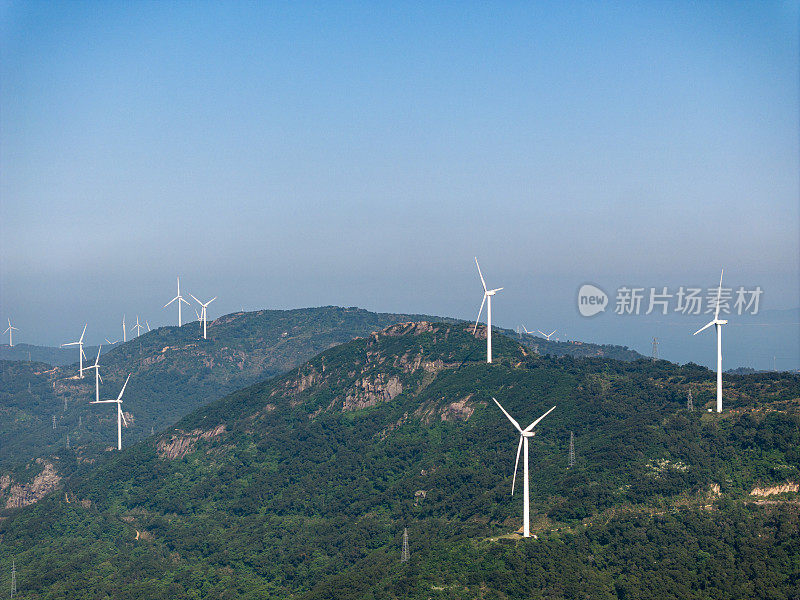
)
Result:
{"points": [[301, 486], [43, 354]]}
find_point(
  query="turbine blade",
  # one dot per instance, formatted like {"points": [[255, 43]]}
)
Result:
{"points": [[536, 422], [168, 303], [706, 326], [496, 289], [552, 332], [719, 293], [510, 418], [184, 301], [195, 299], [84, 332], [516, 466], [98, 355], [542, 332], [481, 274], [210, 301], [474, 329], [122, 391], [122, 414]]}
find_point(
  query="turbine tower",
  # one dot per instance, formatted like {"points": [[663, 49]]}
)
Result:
{"points": [[717, 323], [524, 434], [120, 416], [179, 299], [97, 378], [124, 331], [137, 327], [486, 294], [10, 331], [547, 336], [79, 343], [203, 313]]}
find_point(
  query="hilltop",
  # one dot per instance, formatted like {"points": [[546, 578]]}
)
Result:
{"points": [[302, 485]]}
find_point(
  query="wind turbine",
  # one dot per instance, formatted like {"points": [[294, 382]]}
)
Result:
{"points": [[524, 434], [124, 331], [486, 294], [137, 327], [97, 378], [717, 323], [180, 299], [547, 336], [79, 343], [203, 313], [120, 416], [10, 331]]}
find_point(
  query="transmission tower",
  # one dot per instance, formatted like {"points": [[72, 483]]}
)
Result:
{"points": [[65, 401], [571, 449], [405, 554], [13, 578], [54, 422], [655, 348], [67, 441], [80, 421], [689, 402]]}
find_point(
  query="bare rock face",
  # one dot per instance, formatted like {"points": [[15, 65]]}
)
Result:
{"points": [[369, 391], [29, 493], [783, 488], [180, 444], [460, 410]]}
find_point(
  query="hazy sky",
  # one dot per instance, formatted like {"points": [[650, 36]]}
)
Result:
{"points": [[299, 154]]}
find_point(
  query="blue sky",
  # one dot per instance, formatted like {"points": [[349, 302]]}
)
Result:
{"points": [[299, 154]]}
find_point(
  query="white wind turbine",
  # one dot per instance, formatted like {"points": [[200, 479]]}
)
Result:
{"points": [[79, 343], [120, 415], [547, 336], [10, 331], [137, 327], [524, 434], [203, 313], [180, 299], [717, 323], [486, 294], [97, 378]]}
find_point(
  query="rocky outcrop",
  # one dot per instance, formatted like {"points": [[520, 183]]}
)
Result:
{"points": [[29, 493], [369, 391], [180, 444], [782, 488]]}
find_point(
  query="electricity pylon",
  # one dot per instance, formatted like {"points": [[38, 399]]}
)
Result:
{"points": [[405, 555]]}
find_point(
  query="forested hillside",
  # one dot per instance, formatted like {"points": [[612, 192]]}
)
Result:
{"points": [[302, 485]]}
